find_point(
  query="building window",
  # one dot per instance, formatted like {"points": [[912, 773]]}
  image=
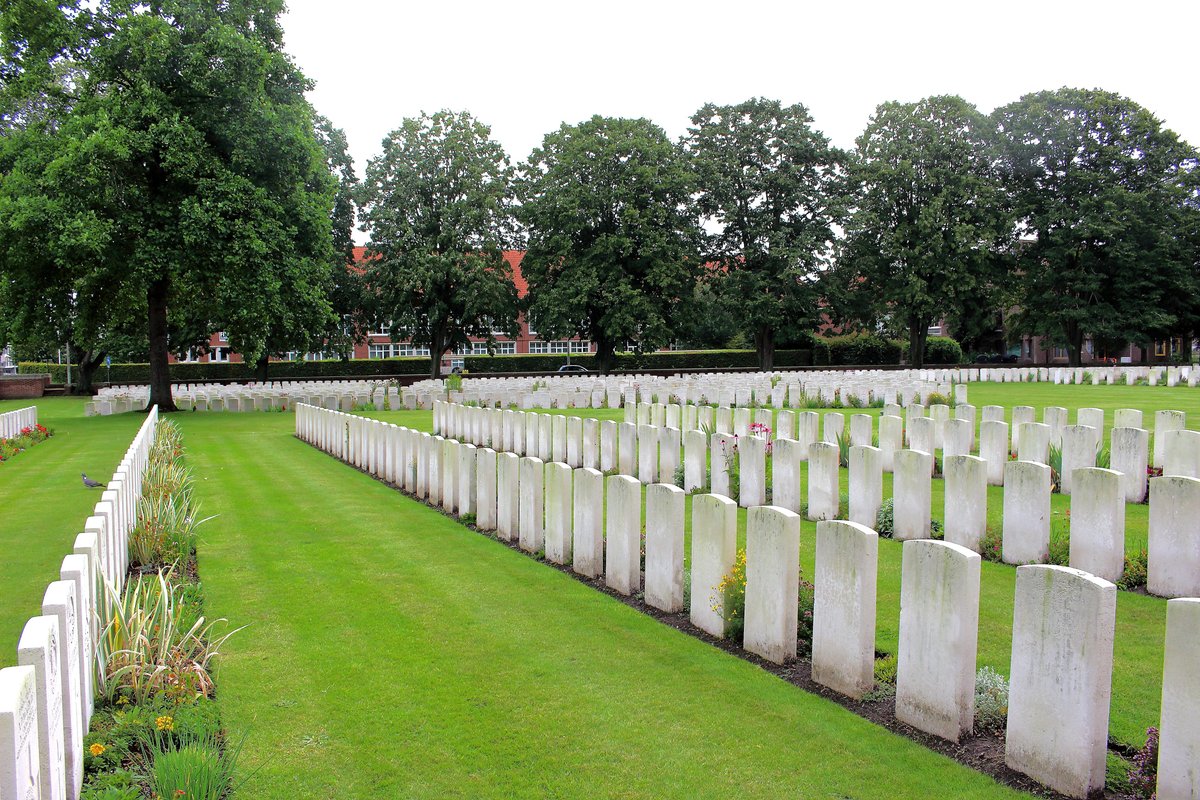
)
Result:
{"points": [[222, 337], [935, 330], [501, 348], [384, 329], [314, 356], [1060, 352], [379, 351], [219, 355], [403, 350], [581, 347], [188, 357], [1160, 349]]}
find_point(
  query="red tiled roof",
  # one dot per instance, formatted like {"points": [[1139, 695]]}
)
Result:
{"points": [[513, 257]]}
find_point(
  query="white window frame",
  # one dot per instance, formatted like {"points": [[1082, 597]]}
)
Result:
{"points": [[218, 355]]}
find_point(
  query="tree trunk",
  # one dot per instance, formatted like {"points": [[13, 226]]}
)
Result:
{"points": [[917, 333], [764, 345], [437, 348], [160, 365], [605, 354], [1074, 344], [88, 364], [260, 368]]}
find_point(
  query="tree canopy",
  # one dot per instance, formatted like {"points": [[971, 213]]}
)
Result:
{"points": [[768, 183], [437, 203], [612, 234], [1106, 198], [162, 162], [929, 225]]}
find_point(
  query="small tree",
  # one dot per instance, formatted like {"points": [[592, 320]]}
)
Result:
{"points": [[437, 204], [929, 225], [768, 184], [612, 234]]}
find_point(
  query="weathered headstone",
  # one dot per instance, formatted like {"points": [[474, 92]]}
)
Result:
{"points": [[824, 499], [485, 489], [1098, 523], [59, 602], [559, 513], [508, 496], [1078, 452], [695, 460], [993, 449], [623, 543], [1181, 453], [785, 474], [1166, 421], [966, 501], [752, 457], [587, 515], [1179, 731], [1128, 455], [714, 548], [1026, 533], [1173, 553], [39, 649], [939, 625], [664, 547], [912, 494], [20, 776], [891, 439], [866, 484], [843, 638], [1061, 678], [772, 582]]}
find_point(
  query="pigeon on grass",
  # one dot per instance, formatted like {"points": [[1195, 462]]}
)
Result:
{"points": [[89, 483]]}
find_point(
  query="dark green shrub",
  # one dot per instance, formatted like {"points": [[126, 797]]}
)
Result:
{"points": [[855, 349], [938, 350]]}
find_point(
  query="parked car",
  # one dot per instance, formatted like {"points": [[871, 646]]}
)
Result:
{"points": [[572, 368]]}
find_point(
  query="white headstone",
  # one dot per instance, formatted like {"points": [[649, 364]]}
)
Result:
{"points": [[485, 489], [1179, 731], [508, 496], [1173, 553], [912, 495], [1165, 421], [1026, 534], [695, 460], [587, 515], [664, 547], [1098, 523], [714, 548], [752, 458], [1181, 453], [966, 501], [866, 484], [772, 582], [939, 625], [1128, 455], [20, 761], [39, 648], [559, 513], [824, 499], [1061, 678], [59, 602], [623, 543], [843, 638], [785, 474]]}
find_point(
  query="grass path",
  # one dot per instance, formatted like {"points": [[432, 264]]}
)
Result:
{"points": [[393, 653]]}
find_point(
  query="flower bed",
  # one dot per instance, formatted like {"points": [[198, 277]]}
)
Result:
{"points": [[27, 438], [156, 731]]}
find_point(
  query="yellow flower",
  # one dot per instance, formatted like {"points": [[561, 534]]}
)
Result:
{"points": [[97, 749], [165, 723], [122, 700]]}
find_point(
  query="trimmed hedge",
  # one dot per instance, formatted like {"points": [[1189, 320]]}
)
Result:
{"points": [[629, 362], [938, 350], [856, 349], [278, 371]]}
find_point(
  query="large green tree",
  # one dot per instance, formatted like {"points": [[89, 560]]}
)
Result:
{"points": [[613, 240], [437, 203], [171, 153], [929, 226], [768, 184], [1106, 201]]}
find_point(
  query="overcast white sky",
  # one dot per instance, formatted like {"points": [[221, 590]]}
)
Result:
{"points": [[526, 66]]}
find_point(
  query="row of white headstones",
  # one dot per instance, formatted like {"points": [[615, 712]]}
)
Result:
{"points": [[1064, 618], [651, 452], [13, 422], [46, 702]]}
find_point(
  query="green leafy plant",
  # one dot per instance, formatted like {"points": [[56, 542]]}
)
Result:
{"points": [[991, 700], [1134, 574], [1054, 461], [885, 524], [843, 443], [678, 476], [146, 647], [729, 598], [1059, 552], [1104, 457], [992, 546], [885, 678]]}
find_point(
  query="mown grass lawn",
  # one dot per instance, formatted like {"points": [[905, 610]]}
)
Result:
{"points": [[394, 653], [43, 503]]}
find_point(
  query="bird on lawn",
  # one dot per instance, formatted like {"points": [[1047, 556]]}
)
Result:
{"points": [[89, 483]]}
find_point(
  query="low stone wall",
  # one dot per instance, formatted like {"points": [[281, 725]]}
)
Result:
{"points": [[21, 387]]}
